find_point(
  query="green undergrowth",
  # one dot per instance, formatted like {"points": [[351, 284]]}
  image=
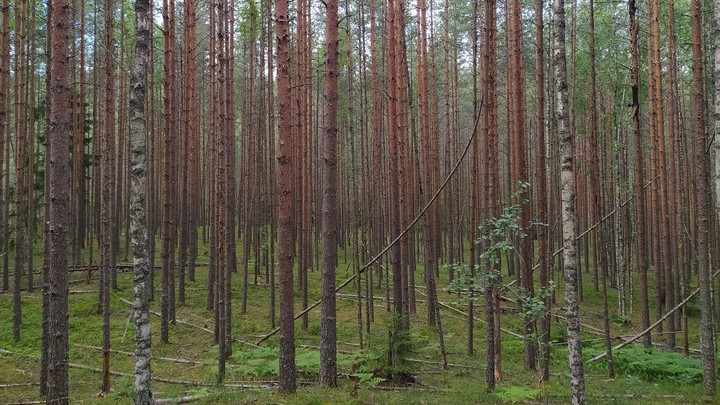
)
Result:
{"points": [[642, 377], [652, 365]]}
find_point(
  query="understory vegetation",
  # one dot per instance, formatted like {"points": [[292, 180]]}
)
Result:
{"points": [[187, 366]]}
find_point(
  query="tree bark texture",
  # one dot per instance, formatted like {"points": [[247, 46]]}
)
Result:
{"points": [[59, 209], [567, 187], [328, 311], [138, 203]]}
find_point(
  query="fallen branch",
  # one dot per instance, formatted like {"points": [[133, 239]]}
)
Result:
{"points": [[318, 348], [180, 400], [410, 387], [32, 356], [588, 328], [649, 328], [30, 384], [438, 364], [158, 379], [127, 325], [354, 297], [170, 359], [444, 305], [397, 238], [180, 321], [596, 224]]}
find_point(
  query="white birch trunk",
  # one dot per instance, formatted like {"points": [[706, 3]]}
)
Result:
{"points": [[567, 188], [138, 212]]}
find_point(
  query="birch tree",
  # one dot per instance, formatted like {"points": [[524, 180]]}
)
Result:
{"points": [[138, 212], [567, 188]]}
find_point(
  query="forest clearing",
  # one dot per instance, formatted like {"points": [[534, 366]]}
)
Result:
{"points": [[359, 201]]}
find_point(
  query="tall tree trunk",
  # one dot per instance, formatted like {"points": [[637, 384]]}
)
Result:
{"points": [[541, 193], [46, 237], [664, 267], [492, 187], [596, 192], [577, 375], [108, 174], [286, 166], [58, 148], [169, 173], [716, 129], [5, 136], [138, 202], [675, 183], [20, 160], [193, 134], [703, 208], [638, 187], [328, 338]]}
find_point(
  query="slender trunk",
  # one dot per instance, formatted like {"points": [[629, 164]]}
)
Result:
{"points": [[638, 187], [286, 166], [58, 147], [193, 134], [168, 173], [577, 377], [596, 193], [703, 207], [108, 171], [328, 338], [5, 138], [541, 184], [675, 183], [492, 187], [138, 203], [46, 239], [20, 160]]}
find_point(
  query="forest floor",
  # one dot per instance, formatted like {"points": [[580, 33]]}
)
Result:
{"points": [[187, 367]]}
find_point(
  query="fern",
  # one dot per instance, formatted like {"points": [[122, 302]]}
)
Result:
{"points": [[369, 379], [652, 365], [516, 393], [307, 362], [401, 345]]}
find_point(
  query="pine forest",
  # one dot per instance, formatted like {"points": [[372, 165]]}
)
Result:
{"points": [[359, 201]]}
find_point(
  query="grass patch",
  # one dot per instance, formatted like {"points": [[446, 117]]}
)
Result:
{"points": [[362, 373]]}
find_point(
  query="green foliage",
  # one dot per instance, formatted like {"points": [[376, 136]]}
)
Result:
{"points": [[123, 388], [308, 362], [263, 362], [259, 362], [198, 391], [401, 346], [516, 393], [533, 307], [652, 365], [369, 379], [250, 21], [497, 236]]}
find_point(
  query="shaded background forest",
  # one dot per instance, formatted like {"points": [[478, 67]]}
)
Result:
{"points": [[447, 113]]}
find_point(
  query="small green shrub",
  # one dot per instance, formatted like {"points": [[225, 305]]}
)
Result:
{"points": [[652, 365], [401, 345], [307, 362], [516, 393], [259, 363]]}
